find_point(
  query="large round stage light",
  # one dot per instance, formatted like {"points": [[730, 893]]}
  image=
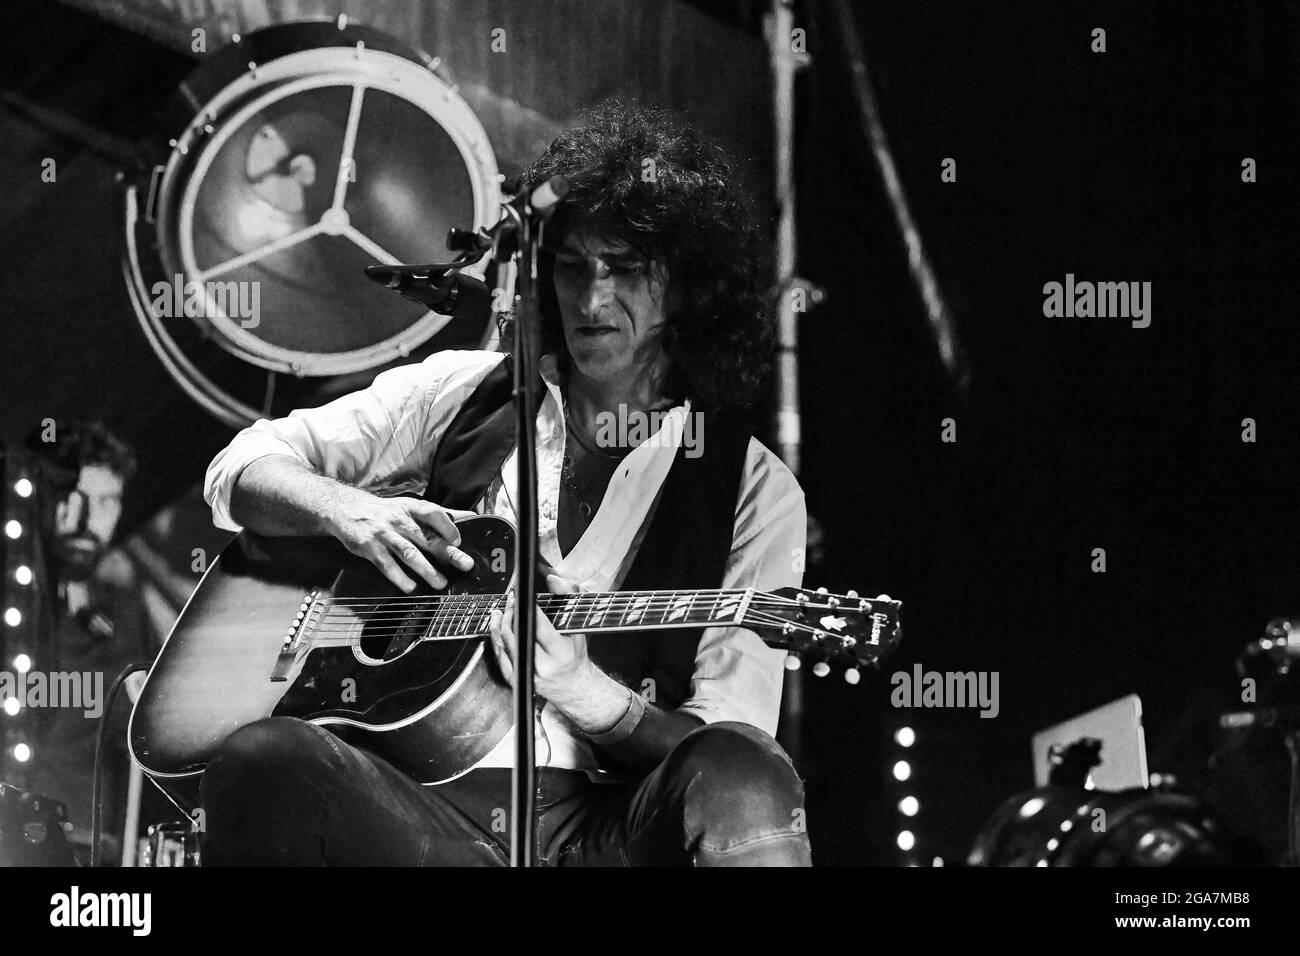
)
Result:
{"points": [[286, 163]]}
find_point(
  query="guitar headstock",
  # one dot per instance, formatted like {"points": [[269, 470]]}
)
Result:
{"points": [[827, 628]]}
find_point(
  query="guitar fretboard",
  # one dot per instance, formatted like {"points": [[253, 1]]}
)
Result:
{"points": [[462, 615]]}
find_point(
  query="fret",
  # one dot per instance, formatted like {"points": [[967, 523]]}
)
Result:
{"points": [[602, 606], [563, 619], [725, 606], [480, 615], [680, 607], [636, 609], [664, 604], [626, 600], [581, 607]]}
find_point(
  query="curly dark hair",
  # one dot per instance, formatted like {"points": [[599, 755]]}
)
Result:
{"points": [[641, 176], [79, 444]]}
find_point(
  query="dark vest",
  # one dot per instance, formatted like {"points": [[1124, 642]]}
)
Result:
{"points": [[686, 545]]}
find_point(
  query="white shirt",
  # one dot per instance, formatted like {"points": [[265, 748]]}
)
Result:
{"points": [[382, 439]]}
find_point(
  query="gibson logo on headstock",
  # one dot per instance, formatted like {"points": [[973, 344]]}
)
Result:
{"points": [[878, 622]]}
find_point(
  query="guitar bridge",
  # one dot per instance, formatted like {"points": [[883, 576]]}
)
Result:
{"points": [[295, 640]]}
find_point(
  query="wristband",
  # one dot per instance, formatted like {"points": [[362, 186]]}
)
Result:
{"points": [[626, 724]]}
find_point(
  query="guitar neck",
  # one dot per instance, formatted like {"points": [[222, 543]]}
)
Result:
{"points": [[464, 615]]}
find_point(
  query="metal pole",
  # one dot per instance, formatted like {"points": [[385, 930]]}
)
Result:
{"points": [[784, 64]]}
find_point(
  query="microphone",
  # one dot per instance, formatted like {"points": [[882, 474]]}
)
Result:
{"points": [[541, 200], [439, 286], [436, 286]]}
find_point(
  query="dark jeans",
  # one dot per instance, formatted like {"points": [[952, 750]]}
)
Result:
{"points": [[282, 791]]}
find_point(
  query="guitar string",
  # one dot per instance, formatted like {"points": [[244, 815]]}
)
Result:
{"points": [[430, 616], [475, 635], [425, 599], [559, 601], [400, 621], [583, 604], [614, 607], [439, 602], [389, 630]]}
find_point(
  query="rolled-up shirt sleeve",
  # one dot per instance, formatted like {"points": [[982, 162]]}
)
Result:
{"points": [[737, 676], [380, 438]]}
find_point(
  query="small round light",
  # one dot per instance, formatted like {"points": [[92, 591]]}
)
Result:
{"points": [[906, 840], [22, 663], [908, 806], [23, 574], [22, 753], [902, 770], [905, 736], [12, 706], [13, 616], [14, 530], [1032, 806], [23, 488]]}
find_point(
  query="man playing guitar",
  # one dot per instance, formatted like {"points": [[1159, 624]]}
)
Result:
{"points": [[650, 753]]}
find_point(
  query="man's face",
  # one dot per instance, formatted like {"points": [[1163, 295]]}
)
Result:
{"points": [[86, 520], [612, 306]]}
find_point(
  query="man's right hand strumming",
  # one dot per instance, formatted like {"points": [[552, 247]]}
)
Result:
{"points": [[279, 495], [392, 532]]}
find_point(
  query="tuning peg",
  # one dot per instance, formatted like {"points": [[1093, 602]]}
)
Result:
{"points": [[852, 594], [823, 591], [821, 668], [883, 597], [852, 676], [792, 661]]}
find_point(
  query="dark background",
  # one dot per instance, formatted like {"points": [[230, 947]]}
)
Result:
{"points": [[1074, 433]]}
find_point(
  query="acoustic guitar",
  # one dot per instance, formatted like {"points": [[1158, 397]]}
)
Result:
{"points": [[301, 627]]}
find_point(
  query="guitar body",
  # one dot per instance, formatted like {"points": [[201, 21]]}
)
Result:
{"points": [[434, 708]]}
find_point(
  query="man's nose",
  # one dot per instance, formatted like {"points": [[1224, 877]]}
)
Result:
{"points": [[598, 294], [78, 511]]}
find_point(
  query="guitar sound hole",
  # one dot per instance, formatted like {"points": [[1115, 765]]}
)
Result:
{"points": [[384, 638]]}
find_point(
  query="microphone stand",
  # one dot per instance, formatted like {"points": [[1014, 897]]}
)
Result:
{"points": [[516, 242]]}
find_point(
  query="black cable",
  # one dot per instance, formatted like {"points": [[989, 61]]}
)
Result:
{"points": [[102, 735]]}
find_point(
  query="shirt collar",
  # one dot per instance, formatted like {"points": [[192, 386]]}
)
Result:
{"points": [[554, 379]]}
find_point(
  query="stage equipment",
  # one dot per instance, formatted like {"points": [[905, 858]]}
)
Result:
{"points": [[1064, 826], [1266, 667], [171, 844], [1066, 822], [285, 164], [33, 830]]}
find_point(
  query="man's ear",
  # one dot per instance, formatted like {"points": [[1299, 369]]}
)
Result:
{"points": [[662, 289]]}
